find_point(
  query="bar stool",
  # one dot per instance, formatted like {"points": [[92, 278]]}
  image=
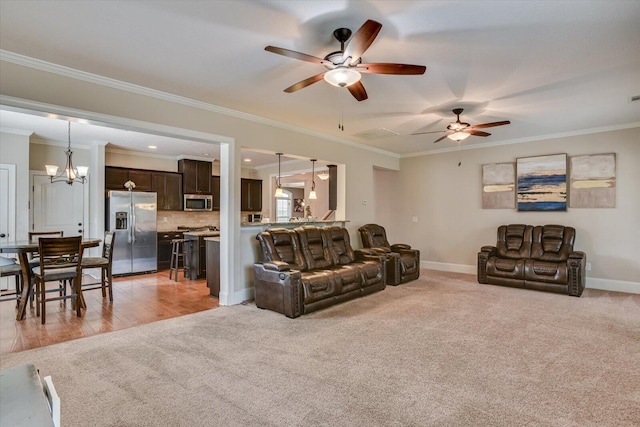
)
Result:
{"points": [[177, 255]]}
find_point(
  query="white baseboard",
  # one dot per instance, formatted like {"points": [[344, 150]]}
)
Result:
{"points": [[613, 285], [454, 268], [592, 282]]}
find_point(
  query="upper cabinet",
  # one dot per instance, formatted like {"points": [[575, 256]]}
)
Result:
{"points": [[168, 185], [251, 195], [196, 176], [215, 189], [115, 177]]}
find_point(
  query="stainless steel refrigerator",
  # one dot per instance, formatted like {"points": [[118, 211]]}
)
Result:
{"points": [[132, 215]]}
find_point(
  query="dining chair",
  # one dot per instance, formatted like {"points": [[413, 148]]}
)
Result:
{"points": [[34, 261], [104, 264], [60, 259], [10, 268], [34, 236]]}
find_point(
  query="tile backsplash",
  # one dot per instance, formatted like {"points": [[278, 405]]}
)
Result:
{"points": [[170, 220]]}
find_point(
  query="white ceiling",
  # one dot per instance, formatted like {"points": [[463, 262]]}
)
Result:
{"points": [[550, 67]]}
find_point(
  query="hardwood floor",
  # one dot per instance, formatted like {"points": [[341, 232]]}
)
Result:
{"points": [[136, 300]]}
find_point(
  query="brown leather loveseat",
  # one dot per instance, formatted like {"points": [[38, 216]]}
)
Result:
{"points": [[540, 257], [311, 268]]}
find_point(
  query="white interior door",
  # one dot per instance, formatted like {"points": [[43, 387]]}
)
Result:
{"points": [[7, 212], [58, 206]]}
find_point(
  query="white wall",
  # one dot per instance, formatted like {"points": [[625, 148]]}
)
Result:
{"points": [[14, 149], [452, 226]]}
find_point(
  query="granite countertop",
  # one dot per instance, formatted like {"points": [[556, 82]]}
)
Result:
{"points": [[301, 222], [202, 233]]}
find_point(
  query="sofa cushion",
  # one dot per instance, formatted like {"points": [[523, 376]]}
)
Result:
{"points": [[318, 285], [514, 241], [552, 243], [315, 247], [281, 244], [340, 245], [545, 272], [505, 268]]}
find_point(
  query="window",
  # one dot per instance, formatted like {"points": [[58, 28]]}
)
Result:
{"points": [[283, 207]]}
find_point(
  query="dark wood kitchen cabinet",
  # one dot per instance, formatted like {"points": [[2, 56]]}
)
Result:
{"points": [[251, 194], [168, 185], [196, 176], [215, 189], [115, 177]]}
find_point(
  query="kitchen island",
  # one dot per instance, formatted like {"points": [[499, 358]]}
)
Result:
{"points": [[196, 252]]}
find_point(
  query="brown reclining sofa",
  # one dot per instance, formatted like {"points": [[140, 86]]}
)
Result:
{"points": [[310, 268], [540, 257]]}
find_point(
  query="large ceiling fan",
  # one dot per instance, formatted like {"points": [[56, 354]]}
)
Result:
{"points": [[345, 66], [459, 131]]}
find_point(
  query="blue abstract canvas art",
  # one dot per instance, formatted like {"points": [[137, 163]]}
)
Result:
{"points": [[542, 183]]}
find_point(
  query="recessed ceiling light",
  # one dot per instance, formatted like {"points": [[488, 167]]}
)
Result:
{"points": [[153, 147], [247, 160], [205, 154]]}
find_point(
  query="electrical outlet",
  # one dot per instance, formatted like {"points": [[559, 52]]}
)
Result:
{"points": [[414, 219], [588, 266]]}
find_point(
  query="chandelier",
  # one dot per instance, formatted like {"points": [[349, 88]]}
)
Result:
{"points": [[70, 174]]}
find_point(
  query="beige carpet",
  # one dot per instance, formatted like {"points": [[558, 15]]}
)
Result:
{"points": [[440, 351]]}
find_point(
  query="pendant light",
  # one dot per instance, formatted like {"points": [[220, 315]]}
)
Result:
{"points": [[70, 174], [279, 192], [312, 193]]}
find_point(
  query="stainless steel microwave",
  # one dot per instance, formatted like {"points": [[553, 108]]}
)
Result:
{"points": [[198, 202]]}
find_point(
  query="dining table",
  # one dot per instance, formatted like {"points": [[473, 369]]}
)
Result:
{"points": [[22, 249]]}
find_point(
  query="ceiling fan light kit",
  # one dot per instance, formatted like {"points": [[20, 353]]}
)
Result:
{"points": [[342, 76], [459, 136]]}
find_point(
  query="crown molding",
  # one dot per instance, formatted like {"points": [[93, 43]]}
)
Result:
{"points": [[61, 70]]}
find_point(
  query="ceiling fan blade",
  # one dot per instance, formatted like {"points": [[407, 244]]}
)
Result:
{"points": [[361, 40], [304, 83], [425, 133], [297, 55], [388, 68], [358, 92], [477, 132], [440, 139], [489, 125]]}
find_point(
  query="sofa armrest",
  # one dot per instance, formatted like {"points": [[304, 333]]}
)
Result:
{"points": [[483, 257], [277, 266], [278, 290], [399, 246], [369, 255], [576, 264]]}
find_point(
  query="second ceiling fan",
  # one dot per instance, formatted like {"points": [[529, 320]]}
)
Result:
{"points": [[344, 67], [459, 131]]}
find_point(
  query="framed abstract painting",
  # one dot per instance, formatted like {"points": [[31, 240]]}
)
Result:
{"points": [[498, 186], [542, 183], [593, 181]]}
